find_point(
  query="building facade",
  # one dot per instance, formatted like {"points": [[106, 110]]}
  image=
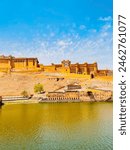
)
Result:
{"points": [[9, 63], [68, 95], [67, 67]]}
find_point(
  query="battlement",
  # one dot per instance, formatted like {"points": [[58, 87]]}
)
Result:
{"points": [[11, 63]]}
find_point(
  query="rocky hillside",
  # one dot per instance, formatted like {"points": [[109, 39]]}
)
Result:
{"points": [[15, 83]]}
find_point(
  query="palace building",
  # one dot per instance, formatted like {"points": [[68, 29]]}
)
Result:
{"points": [[12, 64], [67, 67]]}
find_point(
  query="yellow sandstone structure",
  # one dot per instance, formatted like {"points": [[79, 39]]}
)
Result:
{"points": [[67, 67], [12, 64]]}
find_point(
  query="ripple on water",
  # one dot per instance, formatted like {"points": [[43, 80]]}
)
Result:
{"points": [[66, 126]]}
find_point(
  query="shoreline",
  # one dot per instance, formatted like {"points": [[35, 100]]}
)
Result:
{"points": [[38, 102], [21, 102]]}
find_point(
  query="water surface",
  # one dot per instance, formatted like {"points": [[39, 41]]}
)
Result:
{"points": [[56, 126]]}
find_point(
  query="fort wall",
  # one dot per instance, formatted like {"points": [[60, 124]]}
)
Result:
{"points": [[9, 63]]}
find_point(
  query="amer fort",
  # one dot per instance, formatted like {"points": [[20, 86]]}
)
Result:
{"points": [[65, 81], [15, 64]]}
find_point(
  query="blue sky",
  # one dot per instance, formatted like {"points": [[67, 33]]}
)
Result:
{"points": [[53, 30]]}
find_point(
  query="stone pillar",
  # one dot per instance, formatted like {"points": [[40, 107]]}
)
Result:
{"points": [[77, 68], [95, 68], [36, 63], [26, 63], [69, 70], [62, 63], [10, 64], [86, 67]]}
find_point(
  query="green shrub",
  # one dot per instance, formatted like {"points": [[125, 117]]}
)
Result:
{"points": [[38, 88], [24, 93]]}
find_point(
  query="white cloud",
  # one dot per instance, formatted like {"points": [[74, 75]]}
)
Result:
{"points": [[93, 30], [62, 43], [109, 18], [52, 34], [106, 27], [97, 47], [82, 27]]}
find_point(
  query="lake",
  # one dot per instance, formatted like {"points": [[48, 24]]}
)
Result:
{"points": [[56, 126]]}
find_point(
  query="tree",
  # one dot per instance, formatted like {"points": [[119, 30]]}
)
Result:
{"points": [[24, 93], [38, 88]]}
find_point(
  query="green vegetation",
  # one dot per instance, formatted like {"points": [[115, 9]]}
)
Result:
{"points": [[38, 88], [24, 93]]}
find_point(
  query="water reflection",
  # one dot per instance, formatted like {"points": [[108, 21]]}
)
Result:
{"points": [[56, 126]]}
